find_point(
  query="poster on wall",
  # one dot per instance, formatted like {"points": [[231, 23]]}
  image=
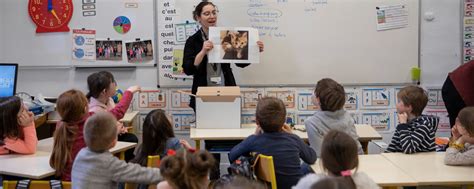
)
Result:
{"points": [[109, 50], [152, 99], [83, 45], [391, 17], [139, 51], [468, 31]]}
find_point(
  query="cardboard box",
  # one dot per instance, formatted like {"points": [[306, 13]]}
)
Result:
{"points": [[218, 108]]}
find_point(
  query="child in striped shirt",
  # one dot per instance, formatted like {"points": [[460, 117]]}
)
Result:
{"points": [[415, 132]]}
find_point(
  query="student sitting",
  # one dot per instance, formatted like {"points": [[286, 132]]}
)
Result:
{"points": [[186, 169], [17, 127], [96, 167], [273, 138], [331, 97], [461, 148], [158, 137], [415, 132], [339, 157], [72, 106], [102, 87]]}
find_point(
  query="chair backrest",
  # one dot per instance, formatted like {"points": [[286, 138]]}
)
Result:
{"points": [[265, 170], [152, 161], [35, 184]]}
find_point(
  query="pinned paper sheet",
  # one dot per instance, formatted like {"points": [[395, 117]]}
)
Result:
{"points": [[379, 120], [180, 99], [250, 97], [375, 97], [391, 17], [287, 95], [152, 99], [305, 100]]}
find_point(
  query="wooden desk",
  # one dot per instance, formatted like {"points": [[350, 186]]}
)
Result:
{"points": [[119, 148], [36, 166], [429, 169], [380, 169], [128, 120], [366, 133]]}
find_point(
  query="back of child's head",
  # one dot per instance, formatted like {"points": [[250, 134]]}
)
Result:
{"points": [[270, 114], [100, 131], [333, 183], [186, 169], [238, 182], [466, 118], [9, 109], [339, 154], [99, 81], [331, 94], [157, 129], [415, 97], [72, 107]]}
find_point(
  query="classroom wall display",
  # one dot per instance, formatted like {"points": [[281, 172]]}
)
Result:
{"points": [[287, 95], [352, 98], [302, 116], [250, 97], [152, 99], [83, 45], [435, 97], [328, 46], [180, 100], [248, 117], [139, 51], [305, 100], [182, 120], [54, 49], [375, 97], [109, 50], [468, 30], [380, 120]]}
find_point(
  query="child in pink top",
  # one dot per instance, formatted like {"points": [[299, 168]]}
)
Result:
{"points": [[17, 128]]}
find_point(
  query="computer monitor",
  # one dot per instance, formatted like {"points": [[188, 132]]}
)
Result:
{"points": [[8, 74]]}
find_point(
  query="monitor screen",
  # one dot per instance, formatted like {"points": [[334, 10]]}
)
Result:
{"points": [[8, 74]]}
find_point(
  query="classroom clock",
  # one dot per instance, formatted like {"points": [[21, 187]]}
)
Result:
{"points": [[50, 15]]}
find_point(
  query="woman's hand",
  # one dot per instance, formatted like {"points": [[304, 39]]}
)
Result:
{"points": [[207, 46], [260, 45]]}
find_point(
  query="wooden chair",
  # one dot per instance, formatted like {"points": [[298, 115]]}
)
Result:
{"points": [[152, 161], [35, 184], [265, 170]]}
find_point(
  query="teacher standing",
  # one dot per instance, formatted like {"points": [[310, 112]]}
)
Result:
{"points": [[197, 46]]}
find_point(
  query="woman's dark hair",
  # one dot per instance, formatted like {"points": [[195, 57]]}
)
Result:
{"points": [[157, 129], [198, 10], [97, 82], [339, 153], [9, 109]]}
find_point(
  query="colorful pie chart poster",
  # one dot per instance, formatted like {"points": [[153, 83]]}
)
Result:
{"points": [[83, 45], [122, 24]]}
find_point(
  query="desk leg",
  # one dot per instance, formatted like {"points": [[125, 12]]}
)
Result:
{"points": [[365, 146], [122, 155], [198, 144]]}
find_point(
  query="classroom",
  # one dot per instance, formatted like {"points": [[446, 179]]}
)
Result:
{"points": [[294, 78]]}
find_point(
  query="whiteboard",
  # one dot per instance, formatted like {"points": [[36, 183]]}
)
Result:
{"points": [[306, 40], [24, 46]]}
